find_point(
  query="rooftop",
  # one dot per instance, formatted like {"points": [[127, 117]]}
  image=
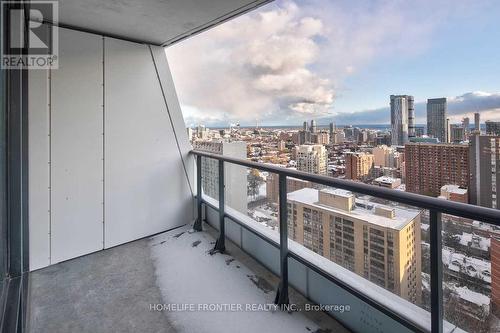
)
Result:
{"points": [[473, 267], [389, 180], [454, 189], [472, 296], [402, 217], [338, 192]]}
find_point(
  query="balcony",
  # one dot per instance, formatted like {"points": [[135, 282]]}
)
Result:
{"points": [[165, 283], [106, 226], [322, 279]]}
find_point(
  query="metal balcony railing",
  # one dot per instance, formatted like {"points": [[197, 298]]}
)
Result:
{"points": [[435, 206]]}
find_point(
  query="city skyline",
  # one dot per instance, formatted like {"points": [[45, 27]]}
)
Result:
{"points": [[292, 63]]}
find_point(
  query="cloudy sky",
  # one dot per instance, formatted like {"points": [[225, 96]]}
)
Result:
{"points": [[334, 60]]}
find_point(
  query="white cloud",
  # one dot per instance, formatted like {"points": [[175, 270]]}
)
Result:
{"points": [[286, 62], [465, 105], [252, 68]]}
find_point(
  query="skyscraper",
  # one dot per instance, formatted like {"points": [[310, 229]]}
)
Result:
{"points": [[400, 111], [313, 128], [312, 159], [411, 117], [430, 166], [457, 133], [448, 130], [332, 132], [492, 127], [495, 271], [477, 123], [436, 118], [466, 126], [485, 170]]}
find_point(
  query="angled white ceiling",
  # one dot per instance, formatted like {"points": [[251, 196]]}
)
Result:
{"points": [[160, 22]]}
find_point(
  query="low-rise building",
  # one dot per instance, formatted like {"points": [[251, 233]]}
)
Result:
{"points": [[388, 182], [454, 193]]}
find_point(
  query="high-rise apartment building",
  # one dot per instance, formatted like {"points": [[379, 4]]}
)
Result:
{"points": [[190, 133], [457, 133], [320, 138], [436, 119], [477, 123], [411, 117], [485, 170], [430, 166], [312, 159], [338, 137], [448, 130], [331, 131], [201, 132], [358, 166], [466, 126], [313, 128], [382, 156], [235, 176], [495, 272], [401, 106], [378, 242], [281, 145], [492, 127]]}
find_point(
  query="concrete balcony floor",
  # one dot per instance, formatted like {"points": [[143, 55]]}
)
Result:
{"points": [[116, 290]]}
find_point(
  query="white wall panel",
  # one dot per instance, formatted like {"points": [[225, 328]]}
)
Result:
{"points": [[146, 190], [175, 112], [102, 175], [39, 173], [77, 147]]}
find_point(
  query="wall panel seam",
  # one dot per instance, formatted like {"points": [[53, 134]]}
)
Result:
{"points": [[103, 142]]}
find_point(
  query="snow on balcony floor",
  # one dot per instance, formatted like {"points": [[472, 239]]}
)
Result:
{"points": [[190, 278]]}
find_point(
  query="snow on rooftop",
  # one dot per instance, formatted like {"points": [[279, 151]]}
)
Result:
{"points": [[484, 226], [463, 292], [310, 195], [475, 241], [402, 217], [338, 192], [426, 281], [472, 296], [385, 179], [454, 189], [473, 267]]}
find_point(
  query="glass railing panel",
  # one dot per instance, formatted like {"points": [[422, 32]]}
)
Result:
{"points": [[378, 240], [471, 268], [210, 177]]}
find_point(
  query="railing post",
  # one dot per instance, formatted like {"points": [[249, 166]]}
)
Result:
{"points": [[199, 218], [220, 245], [436, 272], [282, 294]]}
